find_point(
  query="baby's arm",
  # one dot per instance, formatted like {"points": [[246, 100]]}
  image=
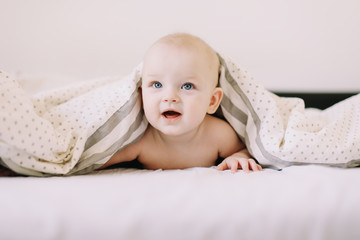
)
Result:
{"points": [[127, 154], [235, 152]]}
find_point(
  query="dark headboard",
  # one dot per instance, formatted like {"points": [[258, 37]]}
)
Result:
{"points": [[317, 100]]}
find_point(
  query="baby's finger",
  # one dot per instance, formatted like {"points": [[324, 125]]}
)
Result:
{"points": [[244, 163], [222, 166], [234, 166], [254, 166]]}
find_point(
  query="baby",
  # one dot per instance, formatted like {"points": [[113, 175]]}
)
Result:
{"points": [[179, 92]]}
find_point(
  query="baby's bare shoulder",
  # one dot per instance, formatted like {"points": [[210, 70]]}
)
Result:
{"points": [[219, 125], [225, 136]]}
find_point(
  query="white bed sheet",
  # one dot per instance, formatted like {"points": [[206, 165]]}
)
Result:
{"points": [[299, 202]]}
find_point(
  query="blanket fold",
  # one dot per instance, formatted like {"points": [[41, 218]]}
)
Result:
{"points": [[77, 128]]}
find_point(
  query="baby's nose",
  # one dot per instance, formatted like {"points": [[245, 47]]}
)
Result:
{"points": [[171, 96]]}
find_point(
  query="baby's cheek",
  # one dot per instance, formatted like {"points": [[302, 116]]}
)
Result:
{"points": [[148, 111], [148, 103], [198, 112]]}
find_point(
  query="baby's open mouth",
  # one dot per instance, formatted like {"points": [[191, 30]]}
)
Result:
{"points": [[171, 114]]}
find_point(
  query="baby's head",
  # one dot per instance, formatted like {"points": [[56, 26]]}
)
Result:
{"points": [[207, 58], [179, 83]]}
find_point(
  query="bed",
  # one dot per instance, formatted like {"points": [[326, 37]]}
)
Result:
{"points": [[299, 202], [127, 202]]}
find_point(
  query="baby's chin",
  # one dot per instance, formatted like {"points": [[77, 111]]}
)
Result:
{"points": [[178, 133], [171, 132]]}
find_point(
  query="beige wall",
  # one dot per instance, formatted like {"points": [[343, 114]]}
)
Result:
{"points": [[301, 45]]}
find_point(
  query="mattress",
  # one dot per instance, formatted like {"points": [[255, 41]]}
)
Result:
{"points": [[298, 202]]}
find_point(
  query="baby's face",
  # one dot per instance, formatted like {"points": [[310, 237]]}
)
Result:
{"points": [[177, 87]]}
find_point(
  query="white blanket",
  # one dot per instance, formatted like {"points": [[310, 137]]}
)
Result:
{"points": [[77, 128]]}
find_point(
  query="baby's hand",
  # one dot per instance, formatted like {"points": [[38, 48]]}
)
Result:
{"points": [[236, 161]]}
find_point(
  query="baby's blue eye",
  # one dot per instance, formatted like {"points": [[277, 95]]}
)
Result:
{"points": [[187, 86], [157, 85]]}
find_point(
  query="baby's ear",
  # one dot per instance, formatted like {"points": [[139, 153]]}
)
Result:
{"points": [[215, 100]]}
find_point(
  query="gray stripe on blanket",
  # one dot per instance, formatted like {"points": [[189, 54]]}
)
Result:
{"points": [[112, 122], [256, 118], [235, 111], [88, 164]]}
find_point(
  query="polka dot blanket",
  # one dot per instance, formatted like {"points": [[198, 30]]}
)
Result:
{"points": [[77, 128]]}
